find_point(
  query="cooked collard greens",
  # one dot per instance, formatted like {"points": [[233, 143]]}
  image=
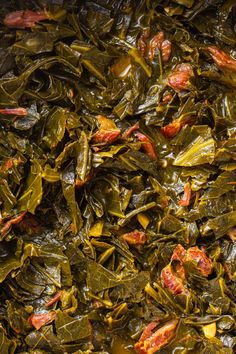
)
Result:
{"points": [[117, 176]]}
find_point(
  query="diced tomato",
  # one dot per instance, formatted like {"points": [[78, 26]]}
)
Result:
{"points": [[179, 78], [106, 136], [135, 237], [172, 282], [171, 129], [147, 332], [157, 42], [108, 131], [150, 342], [39, 320], [154, 44], [14, 111], [147, 145], [166, 48], [23, 18], [221, 59], [187, 195]]}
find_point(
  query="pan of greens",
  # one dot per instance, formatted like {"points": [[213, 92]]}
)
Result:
{"points": [[117, 176]]}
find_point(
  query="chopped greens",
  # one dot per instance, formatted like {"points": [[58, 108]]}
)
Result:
{"points": [[118, 176]]}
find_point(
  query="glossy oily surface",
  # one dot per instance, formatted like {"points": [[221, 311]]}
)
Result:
{"points": [[117, 176]]}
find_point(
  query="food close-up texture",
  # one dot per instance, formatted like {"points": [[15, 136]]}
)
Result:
{"points": [[117, 176]]}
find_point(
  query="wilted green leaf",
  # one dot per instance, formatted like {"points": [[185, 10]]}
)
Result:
{"points": [[33, 191]]}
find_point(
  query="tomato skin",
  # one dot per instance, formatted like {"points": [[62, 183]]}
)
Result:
{"points": [[171, 129], [23, 18], [21, 112], [147, 145], [130, 130], [135, 237], [39, 320], [107, 132], [179, 78], [166, 49], [172, 282], [11, 222], [185, 201], [106, 136], [154, 44], [221, 59]]}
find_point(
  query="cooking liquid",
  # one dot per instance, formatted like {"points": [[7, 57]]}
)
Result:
{"points": [[121, 346]]}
